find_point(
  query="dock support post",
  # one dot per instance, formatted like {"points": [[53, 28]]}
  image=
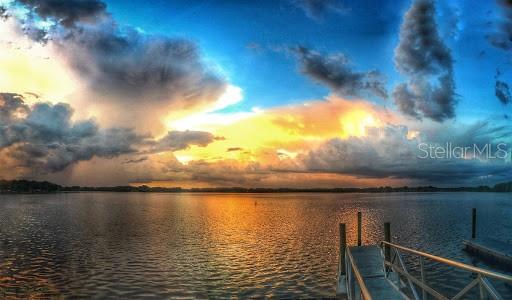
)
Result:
{"points": [[387, 238], [343, 248], [473, 224], [359, 228], [342, 288]]}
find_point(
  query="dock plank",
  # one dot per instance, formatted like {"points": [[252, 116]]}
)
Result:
{"points": [[369, 260], [381, 289]]}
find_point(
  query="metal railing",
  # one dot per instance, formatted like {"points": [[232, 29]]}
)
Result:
{"points": [[481, 280], [359, 291]]}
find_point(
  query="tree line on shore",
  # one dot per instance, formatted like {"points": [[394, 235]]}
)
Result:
{"points": [[34, 187]]}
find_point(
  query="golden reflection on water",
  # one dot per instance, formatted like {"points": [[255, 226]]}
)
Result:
{"points": [[25, 286]]}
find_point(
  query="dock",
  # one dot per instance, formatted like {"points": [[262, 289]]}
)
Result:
{"points": [[363, 272], [379, 272], [490, 249], [370, 264]]}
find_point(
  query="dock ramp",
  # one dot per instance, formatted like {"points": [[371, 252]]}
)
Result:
{"points": [[367, 266]]}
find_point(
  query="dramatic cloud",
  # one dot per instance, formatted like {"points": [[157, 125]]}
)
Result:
{"points": [[354, 146], [317, 9], [422, 56], [68, 12], [125, 77], [137, 66], [293, 128], [335, 72], [388, 152], [180, 140], [136, 160], [42, 138], [123, 65], [12, 108], [502, 91], [503, 38]]}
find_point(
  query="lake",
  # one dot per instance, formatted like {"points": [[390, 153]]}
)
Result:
{"points": [[150, 245]]}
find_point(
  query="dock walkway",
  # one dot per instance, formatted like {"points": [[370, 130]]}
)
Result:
{"points": [[370, 262]]}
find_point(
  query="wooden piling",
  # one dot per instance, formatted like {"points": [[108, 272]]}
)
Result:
{"points": [[473, 224], [343, 247], [341, 287], [359, 217], [387, 238]]}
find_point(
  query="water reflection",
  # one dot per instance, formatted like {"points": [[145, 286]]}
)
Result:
{"points": [[222, 245]]}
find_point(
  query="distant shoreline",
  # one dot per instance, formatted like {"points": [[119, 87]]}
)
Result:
{"points": [[44, 187]]}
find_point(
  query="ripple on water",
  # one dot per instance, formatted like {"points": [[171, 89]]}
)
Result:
{"points": [[153, 246]]}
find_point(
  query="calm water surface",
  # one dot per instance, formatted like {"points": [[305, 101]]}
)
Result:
{"points": [[138, 245]]}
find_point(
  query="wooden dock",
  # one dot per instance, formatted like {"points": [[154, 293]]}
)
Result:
{"points": [[490, 249]]}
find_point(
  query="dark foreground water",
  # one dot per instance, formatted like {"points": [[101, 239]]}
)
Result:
{"points": [[136, 245]]}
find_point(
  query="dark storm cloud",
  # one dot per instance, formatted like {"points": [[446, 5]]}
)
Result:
{"points": [[502, 91], [422, 56], [3, 12], [419, 98], [122, 63], [12, 108], [388, 153], [181, 140], [317, 9], [503, 37], [135, 65], [136, 160], [334, 71], [68, 12], [44, 139]]}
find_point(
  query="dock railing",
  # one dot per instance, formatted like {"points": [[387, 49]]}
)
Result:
{"points": [[356, 288], [395, 263]]}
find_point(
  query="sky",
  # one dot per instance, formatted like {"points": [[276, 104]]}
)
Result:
{"points": [[287, 93]]}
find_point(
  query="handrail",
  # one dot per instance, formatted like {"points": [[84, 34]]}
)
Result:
{"points": [[456, 264], [362, 285]]}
